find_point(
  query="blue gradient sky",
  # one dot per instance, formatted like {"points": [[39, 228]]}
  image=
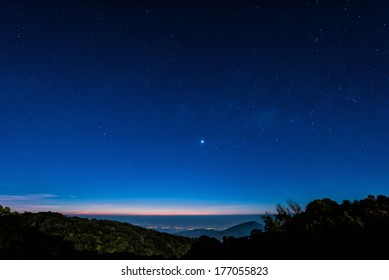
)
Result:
{"points": [[104, 104]]}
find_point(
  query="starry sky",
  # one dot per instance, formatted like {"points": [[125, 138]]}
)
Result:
{"points": [[191, 107]]}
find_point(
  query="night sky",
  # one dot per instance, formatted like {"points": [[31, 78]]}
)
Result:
{"points": [[191, 107]]}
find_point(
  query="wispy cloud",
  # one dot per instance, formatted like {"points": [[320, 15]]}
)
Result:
{"points": [[73, 205], [30, 202], [26, 197]]}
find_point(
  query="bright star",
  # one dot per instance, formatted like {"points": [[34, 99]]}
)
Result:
{"points": [[202, 141]]}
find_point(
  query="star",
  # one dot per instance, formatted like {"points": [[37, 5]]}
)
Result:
{"points": [[202, 141]]}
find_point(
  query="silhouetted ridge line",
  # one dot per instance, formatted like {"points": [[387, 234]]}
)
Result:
{"points": [[325, 229], [240, 230]]}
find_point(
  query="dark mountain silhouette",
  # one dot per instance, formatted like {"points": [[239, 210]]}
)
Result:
{"points": [[48, 235], [240, 230], [325, 229]]}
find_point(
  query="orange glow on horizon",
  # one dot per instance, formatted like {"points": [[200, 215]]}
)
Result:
{"points": [[141, 209], [159, 213]]}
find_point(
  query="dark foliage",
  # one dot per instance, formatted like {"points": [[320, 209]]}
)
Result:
{"points": [[325, 230], [48, 235]]}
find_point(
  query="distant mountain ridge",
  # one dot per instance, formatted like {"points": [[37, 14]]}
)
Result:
{"points": [[324, 230], [240, 230]]}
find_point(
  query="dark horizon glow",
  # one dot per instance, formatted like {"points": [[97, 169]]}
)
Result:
{"points": [[191, 107]]}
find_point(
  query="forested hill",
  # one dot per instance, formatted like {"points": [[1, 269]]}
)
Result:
{"points": [[324, 229], [48, 235]]}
